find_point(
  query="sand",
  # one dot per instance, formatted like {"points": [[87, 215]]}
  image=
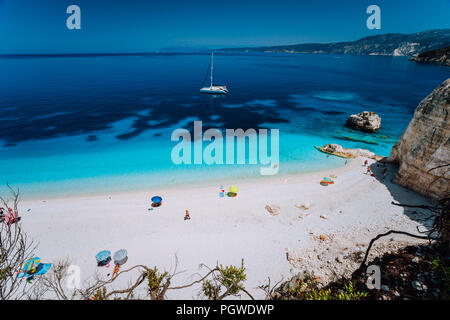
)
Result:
{"points": [[225, 230]]}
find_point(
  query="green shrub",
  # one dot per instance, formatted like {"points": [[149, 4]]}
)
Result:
{"points": [[232, 277]]}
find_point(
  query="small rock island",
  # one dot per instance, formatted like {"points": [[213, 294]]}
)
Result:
{"points": [[366, 121]]}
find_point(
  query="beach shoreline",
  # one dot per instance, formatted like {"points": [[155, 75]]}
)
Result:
{"points": [[225, 230], [138, 188]]}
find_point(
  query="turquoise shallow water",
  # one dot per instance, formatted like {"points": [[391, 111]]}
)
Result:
{"points": [[81, 124]]}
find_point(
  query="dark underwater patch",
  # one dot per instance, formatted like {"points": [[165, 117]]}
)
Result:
{"points": [[332, 113]]}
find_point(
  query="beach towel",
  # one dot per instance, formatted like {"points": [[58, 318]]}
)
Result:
{"points": [[41, 269], [31, 264]]}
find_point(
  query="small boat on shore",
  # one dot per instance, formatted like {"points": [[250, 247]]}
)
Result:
{"points": [[213, 89]]}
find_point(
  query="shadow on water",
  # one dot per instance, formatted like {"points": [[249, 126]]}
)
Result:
{"points": [[164, 114]]}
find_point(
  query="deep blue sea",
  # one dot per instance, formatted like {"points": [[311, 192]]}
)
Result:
{"points": [[77, 124]]}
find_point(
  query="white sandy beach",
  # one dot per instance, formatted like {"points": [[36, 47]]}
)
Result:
{"points": [[225, 230]]}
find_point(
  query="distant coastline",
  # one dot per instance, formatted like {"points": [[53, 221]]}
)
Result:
{"points": [[389, 44]]}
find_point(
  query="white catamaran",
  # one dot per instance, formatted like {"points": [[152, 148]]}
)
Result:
{"points": [[212, 88]]}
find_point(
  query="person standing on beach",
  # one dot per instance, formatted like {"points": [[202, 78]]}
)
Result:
{"points": [[366, 162], [187, 217], [116, 270]]}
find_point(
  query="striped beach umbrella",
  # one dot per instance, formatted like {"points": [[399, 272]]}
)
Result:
{"points": [[103, 255]]}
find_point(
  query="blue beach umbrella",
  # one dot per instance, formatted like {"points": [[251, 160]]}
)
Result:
{"points": [[156, 199], [103, 255]]}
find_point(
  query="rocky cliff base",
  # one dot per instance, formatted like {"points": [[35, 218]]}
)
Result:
{"points": [[423, 150], [440, 56], [410, 273]]}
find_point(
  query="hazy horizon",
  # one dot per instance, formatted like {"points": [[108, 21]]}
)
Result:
{"points": [[39, 26], [169, 50]]}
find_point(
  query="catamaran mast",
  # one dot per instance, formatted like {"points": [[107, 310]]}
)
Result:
{"points": [[212, 67]]}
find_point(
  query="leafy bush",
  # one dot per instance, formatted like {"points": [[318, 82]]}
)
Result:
{"points": [[224, 281], [232, 277], [307, 288], [100, 294], [154, 280]]}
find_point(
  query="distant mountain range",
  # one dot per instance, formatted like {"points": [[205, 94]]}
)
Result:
{"points": [[390, 44], [439, 56]]}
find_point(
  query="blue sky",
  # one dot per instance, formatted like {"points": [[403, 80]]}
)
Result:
{"points": [[39, 26]]}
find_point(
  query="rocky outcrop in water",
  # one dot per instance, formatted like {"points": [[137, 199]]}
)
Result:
{"points": [[440, 56], [366, 121], [423, 150]]}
